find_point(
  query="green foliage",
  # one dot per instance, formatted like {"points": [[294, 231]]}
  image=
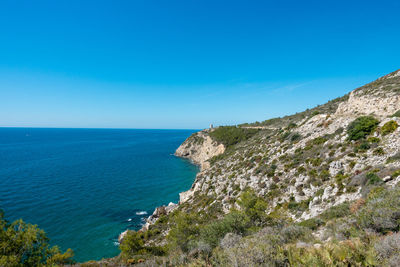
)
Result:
{"points": [[395, 157], [347, 253], [364, 146], [231, 135], [395, 174], [372, 178], [23, 244], [389, 127], [373, 140], [295, 137], [361, 127], [335, 212], [235, 222], [254, 207], [312, 223], [185, 231], [396, 114], [379, 151], [319, 140], [132, 244], [381, 212]]}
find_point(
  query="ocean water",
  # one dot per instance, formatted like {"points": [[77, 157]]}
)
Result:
{"points": [[85, 186]]}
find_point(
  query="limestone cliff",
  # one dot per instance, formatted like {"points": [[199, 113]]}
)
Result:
{"points": [[301, 164], [199, 148], [301, 157]]}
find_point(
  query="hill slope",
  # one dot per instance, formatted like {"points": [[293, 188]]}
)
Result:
{"points": [[321, 184]]}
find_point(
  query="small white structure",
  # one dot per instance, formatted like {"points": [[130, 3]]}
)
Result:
{"points": [[211, 126]]}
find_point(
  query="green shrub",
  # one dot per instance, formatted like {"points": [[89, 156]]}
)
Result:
{"points": [[372, 178], [312, 223], [395, 174], [234, 222], [381, 212], [361, 127], [231, 135], [254, 207], [337, 211], [364, 146], [295, 137], [396, 114], [389, 127], [184, 232], [379, 151], [395, 157], [319, 140], [373, 139]]}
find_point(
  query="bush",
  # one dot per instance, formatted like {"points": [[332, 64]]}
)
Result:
{"points": [[235, 222], [379, 151], [312, 223], [373, 140], [319, 140], [381, 212], [364, 146], [396, 114], [395, 174], [335, 212], [185, 231], [295, 137], [254, 207], [345, 253], [389, 127], [388, 247], [361, 127], [372, 178], [231, 135]]}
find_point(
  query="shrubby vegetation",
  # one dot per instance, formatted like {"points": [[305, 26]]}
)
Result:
{"points": [[231, 135], [389, 127], [361, 127], [23, 244], [396, 114], [361, 233]]}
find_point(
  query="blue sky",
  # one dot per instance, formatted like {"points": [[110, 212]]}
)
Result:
{"points": [[186, 64]]}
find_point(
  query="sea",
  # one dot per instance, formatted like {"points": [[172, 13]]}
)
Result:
{"points": [[84, 187]]}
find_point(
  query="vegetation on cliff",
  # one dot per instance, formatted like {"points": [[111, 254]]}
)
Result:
{"points": [[318, 188]]}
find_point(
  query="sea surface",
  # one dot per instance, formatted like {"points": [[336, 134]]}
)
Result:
{"points": [[83, 187]]}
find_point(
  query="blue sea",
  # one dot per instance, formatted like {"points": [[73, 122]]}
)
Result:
{"points": [[83, 187]]}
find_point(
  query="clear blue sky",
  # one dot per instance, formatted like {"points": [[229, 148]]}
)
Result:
{"points": [[186, 64]]}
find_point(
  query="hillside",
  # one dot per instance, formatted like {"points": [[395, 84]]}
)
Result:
{"points": [[318, 188]]}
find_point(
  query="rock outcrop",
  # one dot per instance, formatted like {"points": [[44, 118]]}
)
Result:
{"points": [[199, 148], [305, 161]]}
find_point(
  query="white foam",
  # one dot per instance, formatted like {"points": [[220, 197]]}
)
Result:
{"points": [[129, 219], [141, 213]]}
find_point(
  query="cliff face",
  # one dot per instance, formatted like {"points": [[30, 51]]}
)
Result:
{"points": [[199, 148], [324, 182], [306, 159]]}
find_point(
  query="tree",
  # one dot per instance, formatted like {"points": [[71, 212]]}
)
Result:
{"points": [[23, 244]]}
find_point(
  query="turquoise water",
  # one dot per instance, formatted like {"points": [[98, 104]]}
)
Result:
{"points": [[85, 186]]}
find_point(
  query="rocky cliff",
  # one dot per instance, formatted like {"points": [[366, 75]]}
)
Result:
{"points": [[341, 159], [301, 158], [199, 148]]}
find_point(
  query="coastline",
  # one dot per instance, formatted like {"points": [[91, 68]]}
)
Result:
{"points": [[197, 149]]}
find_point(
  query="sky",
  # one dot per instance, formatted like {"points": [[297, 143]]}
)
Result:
{"points": [[186, 64]]}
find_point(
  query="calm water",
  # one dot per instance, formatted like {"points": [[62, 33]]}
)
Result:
{"points": [[85, 186]]}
